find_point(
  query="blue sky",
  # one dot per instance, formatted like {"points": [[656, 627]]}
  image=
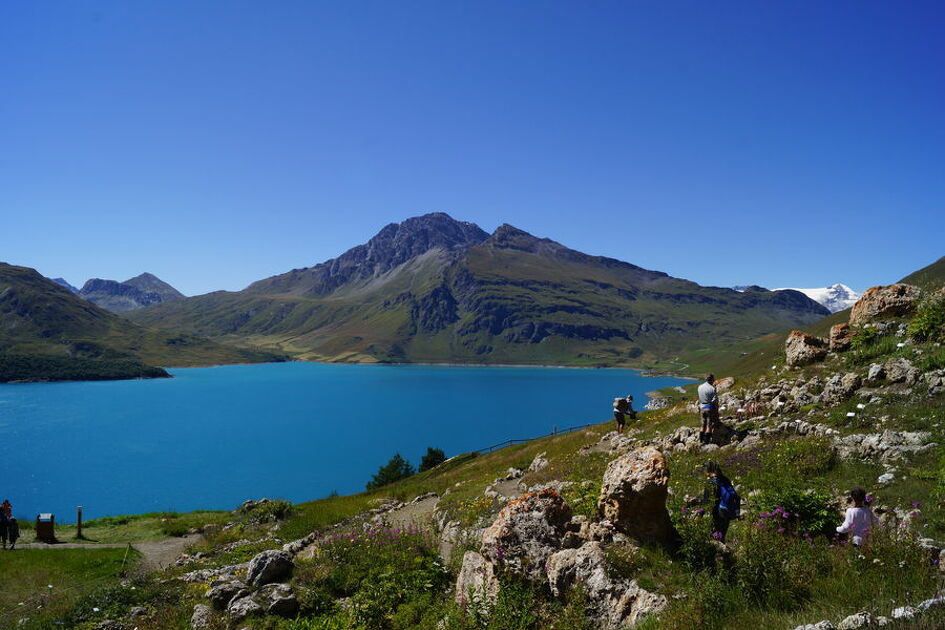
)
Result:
{"points": [[216, 143]]}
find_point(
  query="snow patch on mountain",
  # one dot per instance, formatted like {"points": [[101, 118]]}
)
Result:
{"points": [[836, 297]]}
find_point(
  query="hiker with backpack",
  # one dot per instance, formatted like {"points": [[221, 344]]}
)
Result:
{"points": [[620, 413], [727, 502], [859, 519], [709, 408]]}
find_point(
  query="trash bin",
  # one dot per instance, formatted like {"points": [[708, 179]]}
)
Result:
{"points": [[45, 527]]}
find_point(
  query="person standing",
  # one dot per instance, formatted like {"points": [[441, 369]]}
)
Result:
{"points": [[13, 530], [620, 413], [709, 407], [859, 519], [727, 502], [6, 513]]}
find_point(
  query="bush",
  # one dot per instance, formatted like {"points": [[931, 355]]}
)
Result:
{"points": [[396, 469], [803, 511], [433, 458], [929, 321]]}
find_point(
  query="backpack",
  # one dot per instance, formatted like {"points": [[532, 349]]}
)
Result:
{"points": [[620, 404], [729, 500]]}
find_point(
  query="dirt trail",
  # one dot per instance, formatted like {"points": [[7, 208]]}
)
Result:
{"points": [[413, 514], [155, 555]]}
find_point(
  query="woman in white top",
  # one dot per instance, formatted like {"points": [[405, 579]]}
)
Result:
{"points": [[859, 518]]}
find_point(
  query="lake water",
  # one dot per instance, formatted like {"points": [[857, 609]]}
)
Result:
{"points": [[213, 437]]}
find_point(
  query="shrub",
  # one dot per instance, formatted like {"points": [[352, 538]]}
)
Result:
{"points": [[929, 321], [396, 469], [863, 337], [797, 510]]}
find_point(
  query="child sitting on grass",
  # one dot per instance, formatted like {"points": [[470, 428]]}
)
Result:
{"points": [[859, 518]]}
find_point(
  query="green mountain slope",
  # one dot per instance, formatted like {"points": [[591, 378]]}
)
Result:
{"points": [[46, 332], [929, 277], [439, 290]]}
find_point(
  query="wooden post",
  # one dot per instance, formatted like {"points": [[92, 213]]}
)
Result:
{"points": [[78, 532]]}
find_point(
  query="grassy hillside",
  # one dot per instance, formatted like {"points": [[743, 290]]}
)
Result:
{"points": [[929, 277], [46, 332]]}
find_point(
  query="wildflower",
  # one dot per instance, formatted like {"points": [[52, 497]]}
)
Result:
{"points": [[717, 535], [780, 530], [700, 511], [916, 504]]}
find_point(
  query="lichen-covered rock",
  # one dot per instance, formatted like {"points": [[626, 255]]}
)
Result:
{"points": [[243, 607], [905, 612], [894, 300], [841, 336], [538, 463], [820, 625], [633, 497], [875, 374], [936, 382], [278, 599], [477, 583], [526, 533], [901, 370], [802, 349], [610, 602], [202, 617], [272, 565]]}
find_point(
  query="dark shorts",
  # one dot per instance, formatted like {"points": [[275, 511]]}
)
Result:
{"points": [[620, 418], [710, 418]]}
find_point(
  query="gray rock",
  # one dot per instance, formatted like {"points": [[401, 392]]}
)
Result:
{"points": [[875, 374], [612, 603], [840, 387], [885, 478], [278, 599], [272, 565], [857, 620], [222, 592], [138, 611], [477, 583], [820, 625], [202, 617], [243, 607], [935, 602], [901, 370], [538, 463], [905, 612]]}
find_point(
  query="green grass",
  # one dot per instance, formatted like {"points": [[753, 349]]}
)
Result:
{"points": [[28, 574]]}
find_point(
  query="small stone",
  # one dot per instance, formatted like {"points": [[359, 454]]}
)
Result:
{"points": [[243, 607], [857, 620], [202, 617]]}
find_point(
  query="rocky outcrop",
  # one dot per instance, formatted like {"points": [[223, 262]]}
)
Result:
{"points": [[611, 602], [802, 349], [878, 303], [885, 446], [243, 607], [841, 336], [526, 533], [633, 497], [222, 592], [272, 565]]}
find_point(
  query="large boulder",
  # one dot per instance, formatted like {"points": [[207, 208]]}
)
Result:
{"points": [[477, 583], [841, 336], [878, 303], [633, 496], [526, 533], [801, 348], [272, 565], [611, 602]]}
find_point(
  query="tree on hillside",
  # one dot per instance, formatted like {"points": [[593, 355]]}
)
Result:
{"points": [[396, 469], [433, 458]]}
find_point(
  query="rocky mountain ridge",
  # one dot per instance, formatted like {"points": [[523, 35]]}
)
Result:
{"points": [[435, 289], [121, 297]]}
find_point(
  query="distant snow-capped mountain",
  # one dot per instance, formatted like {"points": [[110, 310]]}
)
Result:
{"points": [[836, 297]]}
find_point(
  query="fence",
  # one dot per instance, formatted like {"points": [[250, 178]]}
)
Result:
{"points": [[555, 431]]}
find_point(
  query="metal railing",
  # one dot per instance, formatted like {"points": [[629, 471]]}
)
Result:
{"points": [[555, 431]]}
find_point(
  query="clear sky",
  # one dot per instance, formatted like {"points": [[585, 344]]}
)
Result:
{"points": [[216, 143]]}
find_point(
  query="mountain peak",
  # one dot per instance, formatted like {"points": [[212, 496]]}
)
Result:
{"points": [[835, 298], [150, 283]]}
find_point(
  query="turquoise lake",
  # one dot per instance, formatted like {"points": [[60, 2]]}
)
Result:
{"points": [[213, 437]]}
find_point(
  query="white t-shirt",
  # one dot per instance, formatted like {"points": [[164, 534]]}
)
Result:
{"points": [[858, 522]]}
